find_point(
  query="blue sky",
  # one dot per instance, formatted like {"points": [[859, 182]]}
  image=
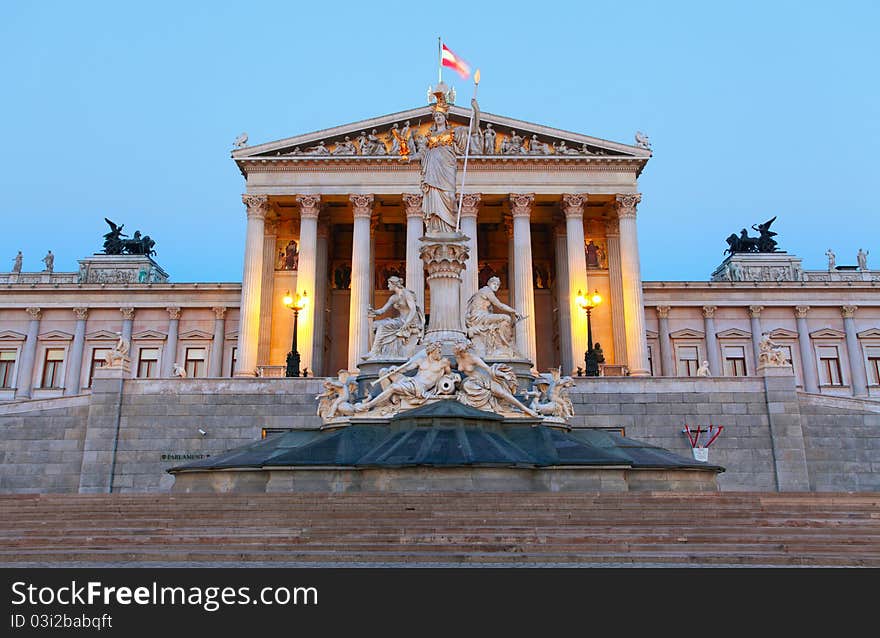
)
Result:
{"points": [[754, 109]]}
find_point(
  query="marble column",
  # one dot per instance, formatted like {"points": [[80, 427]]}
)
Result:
{"points": [[320, 314], [215, 365], [309, 209], [371, 292], [127, 323], [857, 371], [667, 356], [633, 302], [415, 269], [25, 377], [169, 356], [470, 277], [521, 211], [615, 280], [267, 290], [808, 359], [251, 285], [712, 354], [73, 374], [563, 301], [358, 323], [755, 327], [573, 209], [511, 260]]}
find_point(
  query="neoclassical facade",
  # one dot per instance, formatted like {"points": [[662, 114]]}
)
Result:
{"points": [[334, 215]]}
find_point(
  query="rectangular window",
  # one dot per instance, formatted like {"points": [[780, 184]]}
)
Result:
{"points": [[651, 360], [734, 361], [688, 361], [873, 364], [52, 368], [233, 361], [7, 368], [829, 365], [195, 362], [99, 355], [148, 363]]}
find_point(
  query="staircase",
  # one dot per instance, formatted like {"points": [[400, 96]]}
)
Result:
{"points": [[642, 529]]}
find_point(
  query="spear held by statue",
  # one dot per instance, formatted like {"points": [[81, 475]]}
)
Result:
{"points": [[467, 148]]}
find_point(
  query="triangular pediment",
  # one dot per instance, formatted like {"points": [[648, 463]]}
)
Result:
{"points": [[232, 336], [196, 334], [733, 333], [366, 136], [102, 335], [56, 335], [11, 335], [149, 334], [651, 334], [871, 333], [828, 333], [686, 333], [782, 333]]}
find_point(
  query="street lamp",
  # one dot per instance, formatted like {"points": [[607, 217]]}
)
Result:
{"points": [[296, 305], [591, 358]]}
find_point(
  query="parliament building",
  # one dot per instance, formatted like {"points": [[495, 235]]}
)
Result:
{"points": [[333, 215]]}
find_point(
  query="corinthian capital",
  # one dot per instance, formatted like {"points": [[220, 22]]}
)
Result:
{"points": [[173, 312], [127, 313], [848, 312], [309, 205], [219, 311], [573, 204], [663, 312], [521, 204], [709, 311], [34, 312], [470, 203], [81, 313], [755, 311], [626, 204], [361, 205], [801, 311], [257, 205], [412, 203]]}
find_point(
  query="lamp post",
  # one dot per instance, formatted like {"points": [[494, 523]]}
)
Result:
{"points": [[293, 356], [591, 358]]}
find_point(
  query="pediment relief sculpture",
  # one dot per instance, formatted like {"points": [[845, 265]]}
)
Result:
{"points": [[410, 138]]}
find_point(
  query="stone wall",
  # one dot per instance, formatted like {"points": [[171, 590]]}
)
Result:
{"points": [[655, 410], [41, 445], [774, 437], [160, 422], [842, 440]]}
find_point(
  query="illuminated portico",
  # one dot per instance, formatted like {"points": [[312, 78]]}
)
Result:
{"points": [[369, 205]]}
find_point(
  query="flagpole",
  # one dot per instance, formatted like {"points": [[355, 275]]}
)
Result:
{"points": [[439, 60], [467, 148]]}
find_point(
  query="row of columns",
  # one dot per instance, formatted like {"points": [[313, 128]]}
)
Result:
{"points": [[628, 313], [858, 374], [74, 360]]}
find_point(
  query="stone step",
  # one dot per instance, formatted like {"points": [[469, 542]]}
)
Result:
{"points": [[448, 556]]}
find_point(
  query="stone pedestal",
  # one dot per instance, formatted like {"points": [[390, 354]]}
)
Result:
{"points": [[759, 267], [445, 256], [120, 269], [786, 431], [102, 428]]}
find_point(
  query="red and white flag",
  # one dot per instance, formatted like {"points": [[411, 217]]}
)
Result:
{"points": [[448, 58]]}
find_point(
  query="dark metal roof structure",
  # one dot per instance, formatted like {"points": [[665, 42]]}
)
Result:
{"points": [[447, 434]]}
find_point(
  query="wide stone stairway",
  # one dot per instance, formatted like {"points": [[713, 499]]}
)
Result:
{"points": [[749, 529]]}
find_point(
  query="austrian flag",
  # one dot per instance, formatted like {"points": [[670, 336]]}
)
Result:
{"points": [[448, 58]]}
